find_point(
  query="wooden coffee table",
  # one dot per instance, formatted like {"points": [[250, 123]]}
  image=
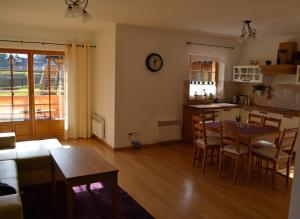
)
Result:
{"points": [[79, 166]]}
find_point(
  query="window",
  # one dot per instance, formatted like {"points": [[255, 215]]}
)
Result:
{"points": [[14, 87], [203, 78], [48, 87], [31, 85]]}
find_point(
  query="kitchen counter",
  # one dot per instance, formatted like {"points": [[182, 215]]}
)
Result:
{"points": [[214, 106], [228, 110], [283, 111]]}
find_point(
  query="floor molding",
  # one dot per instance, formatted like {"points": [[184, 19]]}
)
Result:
{"points": [[126, 148]]}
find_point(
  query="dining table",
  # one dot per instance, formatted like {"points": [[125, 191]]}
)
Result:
{"points": [[249, 133]]}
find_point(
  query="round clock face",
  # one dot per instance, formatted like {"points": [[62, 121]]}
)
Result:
{"points": [[154, 62]]}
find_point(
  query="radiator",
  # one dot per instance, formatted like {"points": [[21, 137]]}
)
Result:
{"points": [[168, 130], [98, 125]]}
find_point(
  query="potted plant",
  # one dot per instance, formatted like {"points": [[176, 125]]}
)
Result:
{"points": [[259, 89]]}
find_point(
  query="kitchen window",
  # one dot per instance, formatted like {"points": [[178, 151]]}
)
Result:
{"points": [[203, 79]]}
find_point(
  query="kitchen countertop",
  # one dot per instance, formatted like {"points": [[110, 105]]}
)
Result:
{"points": [[214, 106], [283, 111]]}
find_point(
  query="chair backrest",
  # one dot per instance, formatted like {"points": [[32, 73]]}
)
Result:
{"points": [[287, 141], [204, 115], [255, 119], [209, 115], [199, 130], [271, 122], [230, 134]]}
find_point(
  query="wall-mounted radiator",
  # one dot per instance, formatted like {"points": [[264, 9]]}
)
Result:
{"points": [[98, 125], [168, 130]]}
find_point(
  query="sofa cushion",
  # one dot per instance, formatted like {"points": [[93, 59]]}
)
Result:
{"points": [[8, 154], [8, 169], [35, 154], [7, 140]]}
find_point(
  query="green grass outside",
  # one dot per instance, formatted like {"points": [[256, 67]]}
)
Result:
{"points": [[15, 72]]}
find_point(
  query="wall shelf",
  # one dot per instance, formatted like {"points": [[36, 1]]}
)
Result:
{"points": [[278, 69]]}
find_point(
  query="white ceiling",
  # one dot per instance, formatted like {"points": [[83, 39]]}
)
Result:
{"points": [[212, 16]]}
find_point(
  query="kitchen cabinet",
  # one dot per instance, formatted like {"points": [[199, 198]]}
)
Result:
{"points": [[229, 113], [218, 115], [288, 121], [245, 113], [251, 73]]}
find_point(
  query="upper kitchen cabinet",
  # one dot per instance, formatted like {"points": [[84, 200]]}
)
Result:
{"points": [[251, 73]]}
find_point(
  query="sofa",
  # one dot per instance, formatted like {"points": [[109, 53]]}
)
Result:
{"points": [[22, 164]]}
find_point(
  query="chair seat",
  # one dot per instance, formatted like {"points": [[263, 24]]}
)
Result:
{"points": [[211, 141], [233, 149], [270, 153], [212, 134], [263, 144]]}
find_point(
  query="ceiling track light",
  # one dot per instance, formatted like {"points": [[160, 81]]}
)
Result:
{"points": [[77, 8], [248, 32]]}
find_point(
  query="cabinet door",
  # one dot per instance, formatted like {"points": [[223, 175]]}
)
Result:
{"points": [[218, 114], [245, 113], [288, 122], [229, 113]]}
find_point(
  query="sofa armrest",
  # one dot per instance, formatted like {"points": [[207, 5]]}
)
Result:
{"points": [[11, 207]]}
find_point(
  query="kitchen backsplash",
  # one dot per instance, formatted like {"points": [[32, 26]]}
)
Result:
{"points": [[282, 95]]}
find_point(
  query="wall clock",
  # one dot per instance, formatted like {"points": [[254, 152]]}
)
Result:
{"points": [[154, 62]]}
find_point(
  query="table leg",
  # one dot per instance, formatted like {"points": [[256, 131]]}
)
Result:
{"points": [[53, 180], [114, 196], [70, 212], [88, 187], [249, 161]]}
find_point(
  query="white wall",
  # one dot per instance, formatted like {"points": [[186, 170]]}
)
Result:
{"points": [[104, 80], [10, 32], [143, 97]]}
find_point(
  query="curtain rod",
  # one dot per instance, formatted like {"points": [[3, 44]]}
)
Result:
{"points": [[210, 45], [40, 42]]}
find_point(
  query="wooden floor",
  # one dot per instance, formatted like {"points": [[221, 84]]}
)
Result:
{"points": [[163, 181]]}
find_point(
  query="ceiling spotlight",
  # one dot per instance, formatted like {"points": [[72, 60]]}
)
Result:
{"points": [[248, 32], [77, 8]]}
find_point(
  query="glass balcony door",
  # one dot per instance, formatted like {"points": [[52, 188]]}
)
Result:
{"points": [[14, 87]]}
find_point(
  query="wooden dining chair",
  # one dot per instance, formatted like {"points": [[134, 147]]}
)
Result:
{"points": [[283, 152], [271, 122], [207, 116], [231, 146], [268, 142], [255, 119], [204, 143]]}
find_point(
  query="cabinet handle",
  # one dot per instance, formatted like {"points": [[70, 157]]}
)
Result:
{"points": [[288, 116], [248, 110], [246, 80], [227, 109]]}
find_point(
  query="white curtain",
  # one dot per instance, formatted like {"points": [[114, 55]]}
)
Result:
{"points": [[77, 91]]}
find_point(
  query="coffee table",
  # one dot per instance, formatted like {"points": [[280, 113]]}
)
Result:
{"points": [[79, 166]]}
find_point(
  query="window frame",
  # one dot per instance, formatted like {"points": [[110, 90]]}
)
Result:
{"points": [[31, 53]]}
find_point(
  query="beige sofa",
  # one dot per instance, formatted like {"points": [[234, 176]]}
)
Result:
{"points": [[10, 205], [22, 164]]}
